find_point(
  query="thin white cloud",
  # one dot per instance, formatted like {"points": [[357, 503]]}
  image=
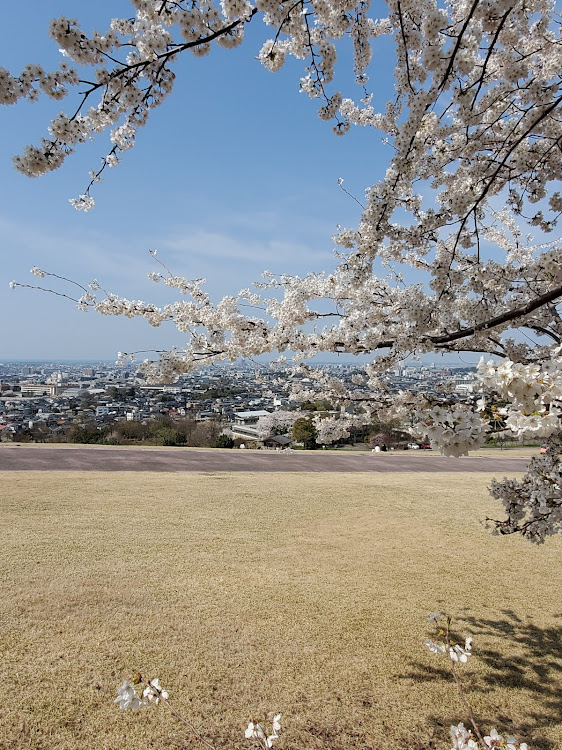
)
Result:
{"points": [[214, 244], [67, 251]]}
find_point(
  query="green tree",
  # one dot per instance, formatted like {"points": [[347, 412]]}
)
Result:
{"points": [[304, 432], [169, 437], [224, 441], [132, 430], [86, 434], [320, 404]]}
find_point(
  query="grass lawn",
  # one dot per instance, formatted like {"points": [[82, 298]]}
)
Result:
{"points": [[304, 594]]}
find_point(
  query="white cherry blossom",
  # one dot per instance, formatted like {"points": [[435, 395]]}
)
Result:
{"points": [[127, 698]]}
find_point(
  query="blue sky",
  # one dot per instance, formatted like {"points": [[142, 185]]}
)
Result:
{"points": [[234, 174]]}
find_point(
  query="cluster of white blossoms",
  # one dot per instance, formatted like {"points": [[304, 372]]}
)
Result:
{"points": [[456, 653], [127, 696], [533, 392], [33, 81], [278, 422], [464, 739], [443, 645], [454, 431], [256, 732], [330, 430]]}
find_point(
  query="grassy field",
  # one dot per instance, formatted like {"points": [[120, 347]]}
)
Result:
{"points": [[299, 593]]}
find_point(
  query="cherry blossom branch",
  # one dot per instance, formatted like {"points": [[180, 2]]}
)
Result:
{"points": [[506, 317]]}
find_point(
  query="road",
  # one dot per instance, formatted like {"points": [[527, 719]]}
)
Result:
{"points": [[46, 458]]}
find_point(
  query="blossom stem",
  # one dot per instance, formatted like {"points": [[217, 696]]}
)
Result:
{"points": [[462, 695], [188, 724]]}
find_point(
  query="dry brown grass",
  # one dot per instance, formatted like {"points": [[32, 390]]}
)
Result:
{"points": [[300, 593]]}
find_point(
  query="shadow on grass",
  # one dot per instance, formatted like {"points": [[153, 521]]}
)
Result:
{"points": [[518, 655]]}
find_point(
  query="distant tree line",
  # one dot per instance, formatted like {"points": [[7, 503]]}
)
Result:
{"points": [[164, 431]]}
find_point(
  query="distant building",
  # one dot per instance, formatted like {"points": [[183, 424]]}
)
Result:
{"points": [[38, 389], [464, 388], [246, 424], [277, 441]]}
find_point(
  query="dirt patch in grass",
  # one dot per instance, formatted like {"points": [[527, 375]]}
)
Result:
{"points": [[258, 593]]}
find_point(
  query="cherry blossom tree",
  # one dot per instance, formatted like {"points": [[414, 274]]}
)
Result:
{"points": [[469, 203], [277, 423]]}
